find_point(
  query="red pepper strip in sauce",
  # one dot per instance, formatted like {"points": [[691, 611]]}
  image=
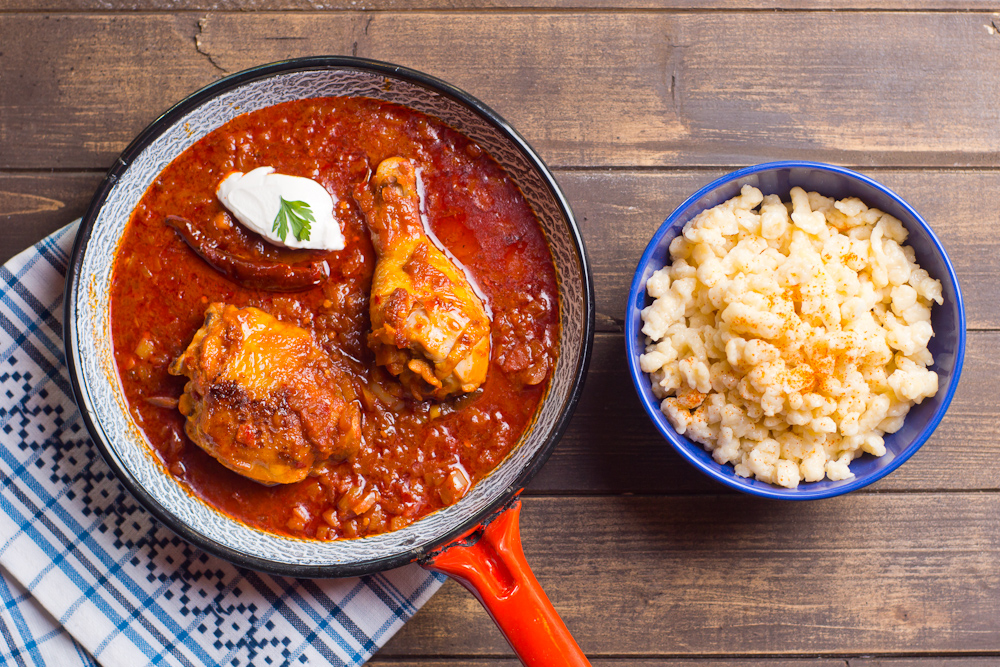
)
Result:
{"points": [[247, 271]]}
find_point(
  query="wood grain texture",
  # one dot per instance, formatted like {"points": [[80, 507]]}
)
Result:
{"points": [[700, 662], [378, 661], [618, 211], [861, 574], [32, 206], [395, 5], [587, 89], [924, 662], [77, 87]]}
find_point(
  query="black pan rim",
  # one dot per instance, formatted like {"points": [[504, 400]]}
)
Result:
{"points": [[70, 337]]}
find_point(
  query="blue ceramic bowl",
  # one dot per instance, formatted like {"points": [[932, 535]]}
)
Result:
{"points": [[947, 345], [89, 345]]}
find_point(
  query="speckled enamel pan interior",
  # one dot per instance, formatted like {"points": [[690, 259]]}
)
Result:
{"points": [[88, 332]]}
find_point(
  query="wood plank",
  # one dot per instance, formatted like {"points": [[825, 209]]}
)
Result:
{"points": [[619, 211], [396, 5], [611, 446], [71, 100], [863, 574], [670, 95], [32, 206], [701, 662], [622, 662], [922, 662]]}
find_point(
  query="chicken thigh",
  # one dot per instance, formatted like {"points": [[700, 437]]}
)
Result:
{"points": [[429, 327], [263, 398]]}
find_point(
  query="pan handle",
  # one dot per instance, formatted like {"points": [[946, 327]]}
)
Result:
{"points": [[490, 563]]}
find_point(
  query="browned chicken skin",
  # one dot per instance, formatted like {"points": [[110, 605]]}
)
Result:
{"points": [[268, 402], [263, 398], [428, 326]]}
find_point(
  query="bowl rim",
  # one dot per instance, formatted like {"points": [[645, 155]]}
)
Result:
{"points": [[167, 119], [763, 489]]}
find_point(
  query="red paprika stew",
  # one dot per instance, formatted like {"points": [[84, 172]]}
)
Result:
{"points": [[416, 456]]}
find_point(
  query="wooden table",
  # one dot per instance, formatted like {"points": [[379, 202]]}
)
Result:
{"points": [[635, 104]]}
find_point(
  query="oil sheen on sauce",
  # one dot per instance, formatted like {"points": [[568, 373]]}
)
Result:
{"points": [[161, 289]]}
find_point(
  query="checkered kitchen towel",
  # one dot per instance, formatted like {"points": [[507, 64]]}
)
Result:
{"points": [[86, 574]]}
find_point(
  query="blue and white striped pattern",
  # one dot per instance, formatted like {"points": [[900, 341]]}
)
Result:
{"points": [[87, 575]]}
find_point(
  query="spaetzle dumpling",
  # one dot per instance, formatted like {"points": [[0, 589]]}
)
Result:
{"points": [[789, 338]]}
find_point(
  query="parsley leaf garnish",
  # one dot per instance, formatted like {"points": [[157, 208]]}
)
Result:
{"points": [[294, 214]]}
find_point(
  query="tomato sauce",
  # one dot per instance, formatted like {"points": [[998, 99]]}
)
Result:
{"points": [[160, 290]]}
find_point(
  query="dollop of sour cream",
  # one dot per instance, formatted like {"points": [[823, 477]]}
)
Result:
{"points": [[254, 198]]}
